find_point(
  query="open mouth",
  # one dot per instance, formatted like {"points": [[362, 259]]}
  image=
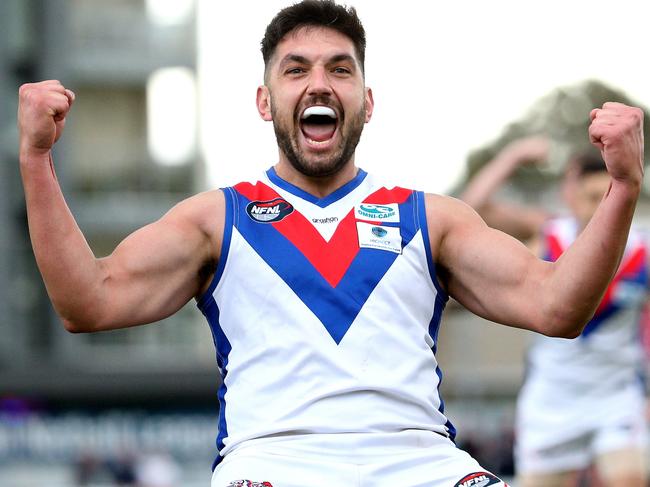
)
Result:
{"points": [[318, 124]]}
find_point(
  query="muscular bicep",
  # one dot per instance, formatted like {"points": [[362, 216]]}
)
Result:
{"points": [[487, 271], [156, 270]]}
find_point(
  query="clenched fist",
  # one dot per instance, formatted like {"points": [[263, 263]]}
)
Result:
{"points": [[617, 130], [42, 108]]}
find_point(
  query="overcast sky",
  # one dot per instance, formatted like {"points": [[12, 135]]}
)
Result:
{"points": [[446, 77]]}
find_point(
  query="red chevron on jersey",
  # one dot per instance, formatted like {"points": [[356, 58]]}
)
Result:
{"points": [[384, 196], [330, 258], [630, 267]]}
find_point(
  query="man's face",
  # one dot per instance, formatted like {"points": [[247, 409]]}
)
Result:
{"points": [[316, 97], [587, 192]]}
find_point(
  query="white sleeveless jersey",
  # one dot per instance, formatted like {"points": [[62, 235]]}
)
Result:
{"points": [[608, 353], [325, 313]]}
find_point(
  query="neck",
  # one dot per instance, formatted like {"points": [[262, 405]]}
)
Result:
{"points": [[319, 187]]}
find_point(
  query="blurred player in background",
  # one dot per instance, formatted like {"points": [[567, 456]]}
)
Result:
{"points": [[324, 288], [583, 399]]}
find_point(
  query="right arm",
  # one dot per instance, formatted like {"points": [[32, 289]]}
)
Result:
{"points": [[518, 221], [149, 276]]}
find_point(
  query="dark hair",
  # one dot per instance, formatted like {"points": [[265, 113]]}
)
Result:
{"points": [[586, 163], [316, 13]]}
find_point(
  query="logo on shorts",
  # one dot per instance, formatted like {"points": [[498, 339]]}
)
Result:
{"points": [[269, 211], [479, 479], [248, 483]]}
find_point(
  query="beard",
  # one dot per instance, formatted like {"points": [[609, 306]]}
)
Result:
{"points": [[319, 166]]}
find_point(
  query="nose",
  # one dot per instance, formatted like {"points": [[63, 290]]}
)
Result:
{"points": [[319, 82]]}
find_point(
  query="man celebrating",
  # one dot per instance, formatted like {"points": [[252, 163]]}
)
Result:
{"points": [[324, 289]]}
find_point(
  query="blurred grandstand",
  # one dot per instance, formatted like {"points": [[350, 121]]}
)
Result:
{"points": [[75, 407]]}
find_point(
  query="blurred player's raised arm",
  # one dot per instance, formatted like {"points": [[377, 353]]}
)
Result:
{"points": [[522, 222]]}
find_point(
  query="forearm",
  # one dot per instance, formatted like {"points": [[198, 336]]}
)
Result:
{"points": [[581, 276], [69, 269], [489, 179]]}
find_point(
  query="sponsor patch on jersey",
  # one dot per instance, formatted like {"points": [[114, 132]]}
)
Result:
{"points": [[479, 479], [383, 213], [326, 220], [378, 237], [248, 483], [269, 211]]}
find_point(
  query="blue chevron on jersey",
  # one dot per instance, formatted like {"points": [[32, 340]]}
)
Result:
{"points": [[336, 307]]}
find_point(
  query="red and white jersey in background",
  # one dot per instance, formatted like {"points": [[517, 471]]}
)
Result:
{"points": [[608, 352]]}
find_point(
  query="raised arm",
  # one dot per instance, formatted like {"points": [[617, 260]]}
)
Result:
{"points": [[149, 276], [516, 220], [498, 278]]}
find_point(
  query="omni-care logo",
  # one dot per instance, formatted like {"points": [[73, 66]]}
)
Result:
{"points": [[368, 211]]}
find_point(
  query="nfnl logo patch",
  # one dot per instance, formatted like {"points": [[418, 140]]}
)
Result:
{"points": [[269, 211], [479, 479]]}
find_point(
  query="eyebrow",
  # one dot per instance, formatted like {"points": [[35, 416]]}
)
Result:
{"points": [[294, 58], [342, 57], [297, 58]]}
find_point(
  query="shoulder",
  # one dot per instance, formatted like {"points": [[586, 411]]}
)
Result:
{"points": [[202, 214], [448, 220], [200, 209], [447, 212]]}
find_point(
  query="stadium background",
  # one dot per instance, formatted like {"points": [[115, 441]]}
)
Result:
{"points": [[162, 103]]}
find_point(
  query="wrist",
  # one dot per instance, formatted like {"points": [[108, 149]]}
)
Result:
{"points": [[34, 162], [29, 153], [630, 187]]}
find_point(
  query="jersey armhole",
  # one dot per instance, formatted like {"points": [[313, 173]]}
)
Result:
{"points": [[230, 199], [424, 228]]}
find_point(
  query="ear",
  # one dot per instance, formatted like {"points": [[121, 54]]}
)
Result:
{"points": [[370, 104], [264, 103]]}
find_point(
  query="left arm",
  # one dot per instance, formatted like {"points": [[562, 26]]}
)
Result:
{"points": [[496, 277]]}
